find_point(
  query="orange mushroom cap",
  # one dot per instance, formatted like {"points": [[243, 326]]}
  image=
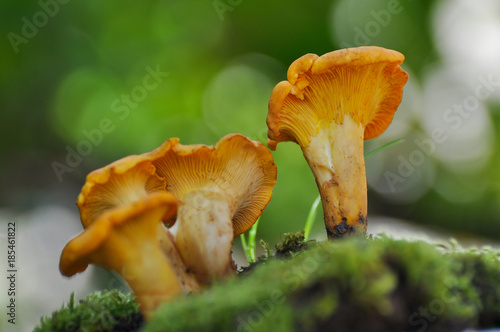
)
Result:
{"points": [[113, 229], [120, 183], [125, 240], [242, 169], [365, 83]]}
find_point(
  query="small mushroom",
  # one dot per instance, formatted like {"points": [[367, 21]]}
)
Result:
{"points": [[124, 240], [124, 182], [328, 106], [222, 191]]}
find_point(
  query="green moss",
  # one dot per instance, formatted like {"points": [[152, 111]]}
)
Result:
{"points": [[290, 244], [106, 311], [484, 277], [350, 285]]}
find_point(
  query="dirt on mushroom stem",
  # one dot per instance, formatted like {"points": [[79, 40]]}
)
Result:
{"points": [[335, 156]]}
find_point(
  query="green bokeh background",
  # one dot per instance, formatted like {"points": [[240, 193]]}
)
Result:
{"points": [[67, 67], [222, 58]]}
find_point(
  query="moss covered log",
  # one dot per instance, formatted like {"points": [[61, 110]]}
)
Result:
{"points": [[351, 285]]}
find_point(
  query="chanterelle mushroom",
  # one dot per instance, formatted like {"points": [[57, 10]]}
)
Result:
{"points": [[124, 182], [124, 240], [328, 106], [222, 191]]}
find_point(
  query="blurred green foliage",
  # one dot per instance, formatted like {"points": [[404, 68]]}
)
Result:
{"points": [[93, 60]]}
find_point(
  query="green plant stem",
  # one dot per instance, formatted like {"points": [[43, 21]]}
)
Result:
{"points": [[251, 240], [311, 217], [245, 247], [383, 147], [249, 248]]}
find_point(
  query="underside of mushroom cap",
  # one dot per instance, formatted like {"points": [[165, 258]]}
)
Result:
{"points": [[120, 183], [236, 166], [83, 249], [365, 83]]}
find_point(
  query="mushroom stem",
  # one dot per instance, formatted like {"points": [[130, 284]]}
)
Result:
{"points": [[151, 278], [204, 234], [335, 156], [186, 279], [132, 252]]}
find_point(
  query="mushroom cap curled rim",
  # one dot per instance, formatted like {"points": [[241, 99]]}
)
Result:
{"points": [[365, 83], [79, 251], [120, 183], [236, 166]]}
